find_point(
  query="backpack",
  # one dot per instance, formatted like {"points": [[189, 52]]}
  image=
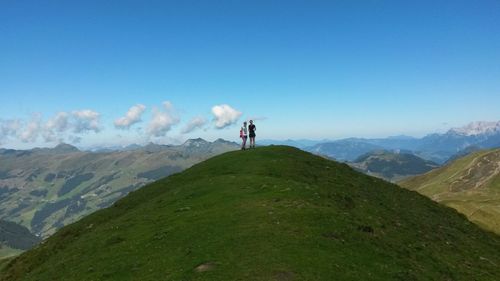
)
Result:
{"points": [[241, 133]]}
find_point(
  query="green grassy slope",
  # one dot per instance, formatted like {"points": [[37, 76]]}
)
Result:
{"points": [[7, 252], [470, 184], [4, 262], [273, 213]]}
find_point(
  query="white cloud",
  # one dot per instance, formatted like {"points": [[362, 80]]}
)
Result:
{"points": [[85, 121], [162, 120], [225, 115], [168, 106], [132, 117], [56, 125], [195, 123], [75, 139], [9, 127], [31, 130], [49, 135]]}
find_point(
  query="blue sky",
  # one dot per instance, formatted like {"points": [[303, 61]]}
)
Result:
{"points": [[305, 69]]}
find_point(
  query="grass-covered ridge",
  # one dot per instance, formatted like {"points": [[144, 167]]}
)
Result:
{"points": [[273, 213], [470, 184]]}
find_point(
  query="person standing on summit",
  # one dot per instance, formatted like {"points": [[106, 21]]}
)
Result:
{"points": [[252, 130], [244, 136]]}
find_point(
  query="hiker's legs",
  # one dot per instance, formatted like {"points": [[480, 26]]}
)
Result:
{"points": [[252, 142], [244, 142]]}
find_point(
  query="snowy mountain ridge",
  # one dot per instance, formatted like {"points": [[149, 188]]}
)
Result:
{"points": [[478, 128]]}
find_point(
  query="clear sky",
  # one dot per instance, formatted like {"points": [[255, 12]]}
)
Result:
{"points": [[70, 70]]}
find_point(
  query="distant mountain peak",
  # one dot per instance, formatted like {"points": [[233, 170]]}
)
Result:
{"points": [[477, 128], [223, 141], [401, 137], [154, 147], [132, 146], [64, 147], [195, 142]]}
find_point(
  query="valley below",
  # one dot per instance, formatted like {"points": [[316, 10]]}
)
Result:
{"points": [[46, 189]]}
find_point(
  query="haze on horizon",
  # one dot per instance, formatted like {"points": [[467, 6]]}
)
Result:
{"points": [[92, 73]]}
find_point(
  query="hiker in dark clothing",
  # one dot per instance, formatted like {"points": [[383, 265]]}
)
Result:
{"points": [[252, 130]]}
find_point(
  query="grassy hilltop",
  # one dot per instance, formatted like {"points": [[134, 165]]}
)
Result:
{"points": [[273, 213], [470, 184]]}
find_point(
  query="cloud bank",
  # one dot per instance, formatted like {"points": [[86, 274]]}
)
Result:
{"points": [[72, 125], [54, 129]]}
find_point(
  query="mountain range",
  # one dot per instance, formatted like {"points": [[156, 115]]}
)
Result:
{"points": [[470, 184], [299, 143], [273, 213], [44, 189], [434, 147]]}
